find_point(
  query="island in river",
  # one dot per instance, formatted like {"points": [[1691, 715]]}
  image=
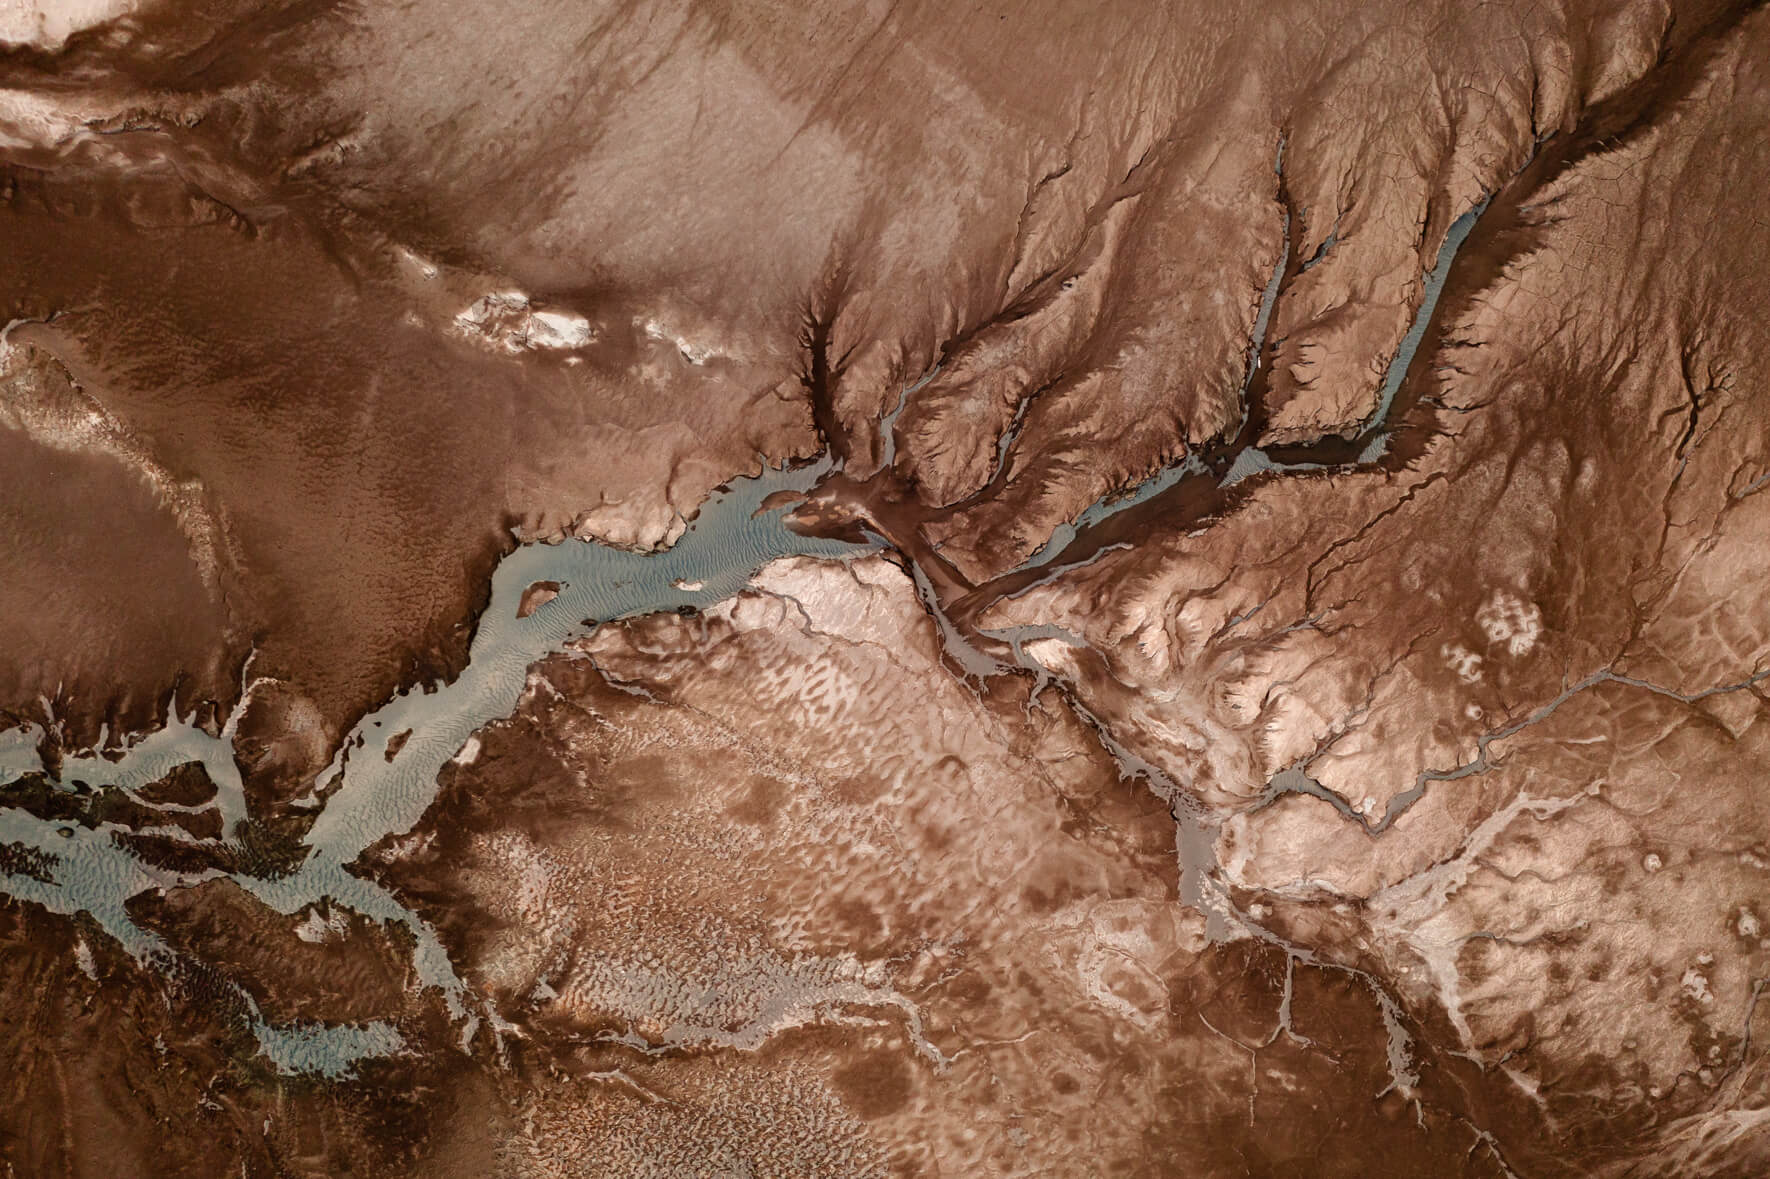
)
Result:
{"points": [[858, 590]]}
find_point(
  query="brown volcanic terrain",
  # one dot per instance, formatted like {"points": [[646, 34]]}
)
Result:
{"points": [[1295, 710]]}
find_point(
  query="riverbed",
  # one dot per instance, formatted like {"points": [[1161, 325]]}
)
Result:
{"points": [[368, 795]]}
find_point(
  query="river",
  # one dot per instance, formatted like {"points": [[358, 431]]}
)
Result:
{"points": [[376, 796]]}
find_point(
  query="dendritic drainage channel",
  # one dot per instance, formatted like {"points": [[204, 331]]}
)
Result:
{"points": [[384, 776]]}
